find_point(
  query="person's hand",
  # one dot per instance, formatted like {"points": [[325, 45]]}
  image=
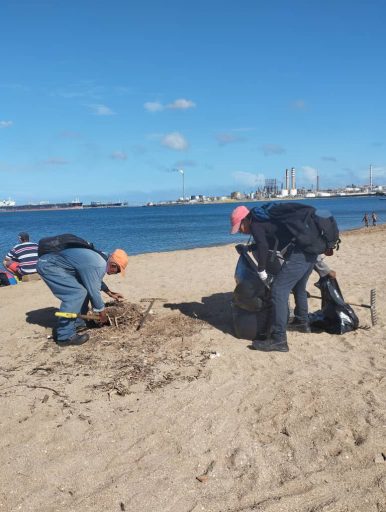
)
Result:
{"points": [[102, 320], [332, 274], [116, 296], [263, 275]]}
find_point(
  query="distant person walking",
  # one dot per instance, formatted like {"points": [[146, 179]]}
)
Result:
{"points": [[374, 218], [21, 260], [366, 220]]}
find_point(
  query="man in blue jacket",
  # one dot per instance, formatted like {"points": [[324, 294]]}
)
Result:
{"points": [[75, 276]]}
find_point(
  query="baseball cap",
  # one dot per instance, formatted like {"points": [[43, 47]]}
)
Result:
{"points": [[237, 216], [120, 257]]}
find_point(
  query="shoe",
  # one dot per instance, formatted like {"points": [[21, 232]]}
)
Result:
{"points": [[81, 328], [270, 345], [76, 339], [301, 326]]}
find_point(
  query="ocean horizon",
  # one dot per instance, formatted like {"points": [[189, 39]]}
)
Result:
{"points": [[141, 230]]}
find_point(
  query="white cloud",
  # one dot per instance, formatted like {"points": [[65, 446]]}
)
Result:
{"points": [[6, 124], [299, 104], [175, 140], [55, 161], [228, 138], [181, 104], [119, 155], [101, 110], [272, 149], [249, 179], [153, 106], [309, 173]]}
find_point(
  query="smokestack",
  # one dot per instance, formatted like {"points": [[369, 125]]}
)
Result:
{"points": [[317, 182], [371, 177], [293, 179], [287, 185]]}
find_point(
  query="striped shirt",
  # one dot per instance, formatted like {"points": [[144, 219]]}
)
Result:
{"points": [[26, 254]]}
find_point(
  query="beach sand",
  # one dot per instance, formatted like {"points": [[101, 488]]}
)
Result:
{"points": [[181, 416]]}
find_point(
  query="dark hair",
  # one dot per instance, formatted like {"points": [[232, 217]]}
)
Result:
{"points": [[24, 236]]}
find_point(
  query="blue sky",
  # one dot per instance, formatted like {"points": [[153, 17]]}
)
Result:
{"points": [[105, 100]]}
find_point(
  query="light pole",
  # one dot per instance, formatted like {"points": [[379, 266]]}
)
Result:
{"points": [[181, 171]]}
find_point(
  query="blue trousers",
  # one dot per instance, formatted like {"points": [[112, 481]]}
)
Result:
{"points": [[294, 275], [65, 285]]}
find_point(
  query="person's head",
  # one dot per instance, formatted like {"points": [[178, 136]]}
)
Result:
{"points": [[239, 222], [117, 262], [23, 236]]}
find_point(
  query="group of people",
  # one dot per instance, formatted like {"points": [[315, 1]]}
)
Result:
{"points": [[292, 277], [374, 219], [75, 276]]}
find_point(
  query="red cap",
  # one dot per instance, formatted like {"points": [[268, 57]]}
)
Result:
{"points": [[237, 216]]}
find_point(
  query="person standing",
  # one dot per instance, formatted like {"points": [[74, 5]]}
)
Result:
{"points": [[75, 277], [294, 275], [366, 220], [374, 218], [21, 260]]}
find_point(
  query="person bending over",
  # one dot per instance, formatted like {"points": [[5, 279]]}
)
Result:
{"points": [[293, 276], [75, 277]]}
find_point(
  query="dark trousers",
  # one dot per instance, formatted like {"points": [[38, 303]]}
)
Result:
{"points": [[293, 276]]}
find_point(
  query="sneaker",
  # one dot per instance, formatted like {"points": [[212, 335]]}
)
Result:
{"points": [[76, 339], [270, 345]]}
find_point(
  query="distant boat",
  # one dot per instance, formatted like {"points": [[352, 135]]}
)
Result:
{"points": [[7, 202]]}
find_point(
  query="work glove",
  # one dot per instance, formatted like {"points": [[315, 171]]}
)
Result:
{"points": [[263, 275]]}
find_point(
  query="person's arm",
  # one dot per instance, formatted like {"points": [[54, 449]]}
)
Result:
{"points": [[113, 295], [259, 235], [91, 277]]}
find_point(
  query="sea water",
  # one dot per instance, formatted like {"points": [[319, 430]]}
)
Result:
{"points": [[162, 228]]}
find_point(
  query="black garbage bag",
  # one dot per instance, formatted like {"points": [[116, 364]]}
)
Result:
{"points": [[251, 301], [335, 316]]}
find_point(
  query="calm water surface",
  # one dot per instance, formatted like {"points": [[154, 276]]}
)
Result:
{"points": [[165, 228]]}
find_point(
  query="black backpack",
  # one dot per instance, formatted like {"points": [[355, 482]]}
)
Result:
{"points": [[66, 241], [314, 231]]}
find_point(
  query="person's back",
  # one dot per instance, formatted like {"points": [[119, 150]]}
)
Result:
{"points": [[22, 258]]}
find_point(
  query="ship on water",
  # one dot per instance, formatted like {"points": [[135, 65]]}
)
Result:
{"points": [[11, 206]]}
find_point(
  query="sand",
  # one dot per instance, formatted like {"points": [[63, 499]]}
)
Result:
{"points": [[181, 416]]}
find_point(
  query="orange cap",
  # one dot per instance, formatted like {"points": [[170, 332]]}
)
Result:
{"points": [[121, 259]]}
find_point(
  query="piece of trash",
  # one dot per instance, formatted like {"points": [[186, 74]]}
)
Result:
{"points": [[379, 458], [202, 478], [50, 337], [212, 355]]}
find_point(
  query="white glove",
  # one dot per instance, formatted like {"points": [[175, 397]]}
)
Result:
{"points": [[263, 275]]}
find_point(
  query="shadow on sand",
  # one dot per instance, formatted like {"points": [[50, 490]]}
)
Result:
{"points": [[44, 317], [214, 310]]}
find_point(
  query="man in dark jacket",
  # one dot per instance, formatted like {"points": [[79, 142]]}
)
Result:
{"points": [[293, 276]]}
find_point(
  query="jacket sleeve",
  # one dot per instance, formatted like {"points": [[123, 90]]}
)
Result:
{"points": [[91, 277], [262, 246]]}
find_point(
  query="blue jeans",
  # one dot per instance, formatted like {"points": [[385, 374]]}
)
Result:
{"points": [[62, 273], [293, 276]]}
